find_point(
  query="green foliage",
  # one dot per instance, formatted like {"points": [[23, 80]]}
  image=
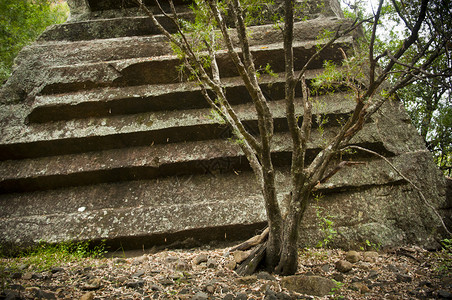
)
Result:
{"points": [[256, 11], [46, 256], [21, 22], [431, 113], [368, 245], [266, 70], [427, 98], [202, 37], [447, 245], [215, 116], [326, 225], [348, 75], [323, 37], [445, 257], [329, 78], [334, 292]]}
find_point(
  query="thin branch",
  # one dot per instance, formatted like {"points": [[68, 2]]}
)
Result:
{"points": [[372, 61], [401, 16], [406, 179], [289, 87], [418, 69], [408, 41], [339, 167], [306, 125], [337, 35], [243, 38]]}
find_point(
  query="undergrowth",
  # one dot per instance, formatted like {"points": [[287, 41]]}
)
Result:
{"points": [[445, 257], [45, 256]]}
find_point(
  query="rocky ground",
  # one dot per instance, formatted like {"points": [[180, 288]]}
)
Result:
{"points": [[206, 273]]}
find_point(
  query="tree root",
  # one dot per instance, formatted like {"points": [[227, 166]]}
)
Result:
{"points": [[254, 241], [259, 244], [249, 265]]}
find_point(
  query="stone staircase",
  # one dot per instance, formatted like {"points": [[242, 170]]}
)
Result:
{"points": [[101, 139]]}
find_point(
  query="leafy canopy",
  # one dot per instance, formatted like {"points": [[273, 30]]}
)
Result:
{"points": [[427, 96], [21, 22]]}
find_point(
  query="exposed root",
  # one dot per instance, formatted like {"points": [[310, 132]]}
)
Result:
{"points": [[254, 241], [248, 265]]}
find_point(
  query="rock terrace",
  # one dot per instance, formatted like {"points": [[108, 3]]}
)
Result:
{"points": [[100, 138]]}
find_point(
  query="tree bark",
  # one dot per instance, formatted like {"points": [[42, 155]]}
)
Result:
{"points": [[288, 262]]}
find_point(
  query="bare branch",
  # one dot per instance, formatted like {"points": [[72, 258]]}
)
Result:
{"points": [[307, 119], [401, 16], [290, 83], [372, 61], [408, 180], [407, 42], [338, 168], [243, 38], [412, 67]]}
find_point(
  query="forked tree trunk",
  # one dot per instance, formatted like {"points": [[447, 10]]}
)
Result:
{"points": [[277, 253]]}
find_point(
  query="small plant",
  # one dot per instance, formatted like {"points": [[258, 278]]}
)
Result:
{"points": [[368, 245], [445, 257], [267, 69], [447, 245], [326, 225], [336, 289]]}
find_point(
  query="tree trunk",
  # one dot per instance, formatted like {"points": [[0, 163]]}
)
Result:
{"points": [[274, 217], [288, 262]]}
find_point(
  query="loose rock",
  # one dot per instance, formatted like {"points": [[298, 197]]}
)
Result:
{"points": [[200, 296], [311, 285], [361, 287], [181, 266], [241, 296], [231, 264], [352, 256], [120, 260], [200, 259], [265, 276], [139, 273], [211, 263], [344, 266], [247, 279], [444, 294], [403, 278], [92, 284], [370, 256], [87, 296], [135, 284]]}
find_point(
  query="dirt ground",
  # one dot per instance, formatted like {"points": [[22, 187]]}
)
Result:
{"points": [[206, 273]]}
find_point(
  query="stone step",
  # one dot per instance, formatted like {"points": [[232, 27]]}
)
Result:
{"points": [[54, 53], [185, 189], [110, 101], [164, 69], [65, 52], [93, 134], [169, 205], [109, 28], [211, 156], [97, 6]]}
